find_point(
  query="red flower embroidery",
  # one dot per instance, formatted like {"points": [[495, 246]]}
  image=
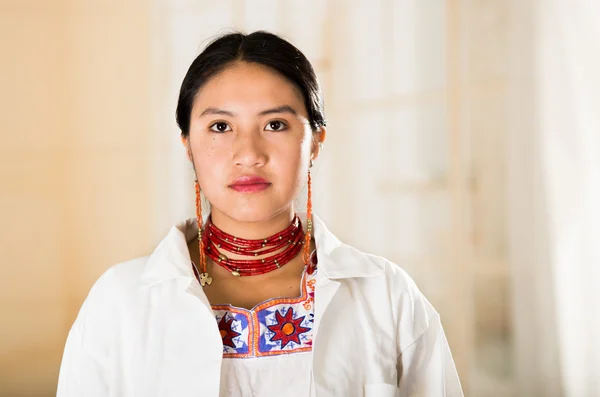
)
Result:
{"points": [[287, 329], [227, 333]]}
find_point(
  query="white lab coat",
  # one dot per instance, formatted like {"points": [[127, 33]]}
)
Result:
{"points": [[147, 329]]}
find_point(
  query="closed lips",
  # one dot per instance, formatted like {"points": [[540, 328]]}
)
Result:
{"points": [[250, 180]]}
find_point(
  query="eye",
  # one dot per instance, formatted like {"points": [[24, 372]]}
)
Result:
{"points": [[276, 125], [220, 126]]}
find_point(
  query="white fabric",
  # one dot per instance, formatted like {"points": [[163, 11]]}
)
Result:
{"points": [[147, 329], [285, 375], [285, 359]]}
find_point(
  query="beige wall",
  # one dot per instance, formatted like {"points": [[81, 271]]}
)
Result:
{"points": [[92, 171], [34, 158], [75, 146]]}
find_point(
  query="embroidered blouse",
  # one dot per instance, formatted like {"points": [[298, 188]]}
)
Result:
{"points": [[147, 329], [267, 350]]}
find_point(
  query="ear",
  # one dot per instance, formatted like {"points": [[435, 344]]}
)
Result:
{"points": [[186, 143], [318, 139]]}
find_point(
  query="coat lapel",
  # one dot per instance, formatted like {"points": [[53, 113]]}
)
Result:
{"points": [[337, 343]]}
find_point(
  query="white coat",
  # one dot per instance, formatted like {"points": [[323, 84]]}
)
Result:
{"points": [[147, 329]]}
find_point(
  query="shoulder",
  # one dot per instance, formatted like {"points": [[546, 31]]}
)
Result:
{"points": [[126, 275], [119, 278], [389, 285], [96, 324], [111, 290], [379, 268]]}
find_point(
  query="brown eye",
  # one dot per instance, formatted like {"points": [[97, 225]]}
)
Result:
{"points": [[220, 127], [276, 125]]}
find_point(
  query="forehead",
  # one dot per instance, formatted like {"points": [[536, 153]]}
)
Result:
{"points": [[248, 87]]}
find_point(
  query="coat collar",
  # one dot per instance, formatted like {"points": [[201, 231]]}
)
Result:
{"points": [[171, 259]]}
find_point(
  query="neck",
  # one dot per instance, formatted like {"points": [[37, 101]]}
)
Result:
{"points": [[255, 229]]}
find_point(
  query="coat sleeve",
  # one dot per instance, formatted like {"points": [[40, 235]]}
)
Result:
{"points": [[82, 373], [84, 368], [426, 367]]}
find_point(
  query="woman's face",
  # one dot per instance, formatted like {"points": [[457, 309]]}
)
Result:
{"points": [[250, 142]]}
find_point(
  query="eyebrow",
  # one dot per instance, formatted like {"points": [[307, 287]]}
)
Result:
{"points": [[279, 109], [216, 111]]}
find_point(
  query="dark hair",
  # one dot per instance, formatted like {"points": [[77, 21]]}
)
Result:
{"points": [[260, 47]]}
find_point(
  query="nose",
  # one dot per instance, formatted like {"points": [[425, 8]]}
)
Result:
{"points": [[249, 150]]}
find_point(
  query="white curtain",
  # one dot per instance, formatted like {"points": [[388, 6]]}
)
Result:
{"points": [[554, 196]]}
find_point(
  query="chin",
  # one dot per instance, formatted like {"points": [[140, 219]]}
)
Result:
{"points": [[248, 213], [254, 212]]}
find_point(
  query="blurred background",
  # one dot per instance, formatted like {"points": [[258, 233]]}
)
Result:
{"points": [[463, 144]]}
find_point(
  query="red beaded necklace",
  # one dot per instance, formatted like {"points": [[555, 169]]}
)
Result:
{"points": [[216, 241]]}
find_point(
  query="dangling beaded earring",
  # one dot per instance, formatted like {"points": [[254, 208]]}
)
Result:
{"points": [[308, 235], [204, 278]]}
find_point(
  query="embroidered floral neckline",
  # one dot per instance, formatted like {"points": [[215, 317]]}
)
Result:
{"points": [[273, 327]]}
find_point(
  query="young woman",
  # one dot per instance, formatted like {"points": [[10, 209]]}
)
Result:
{"points": [[255, 299]]}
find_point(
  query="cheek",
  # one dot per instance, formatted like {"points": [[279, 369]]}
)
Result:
{"points": [[292, 166], [209, 160], [299, 148], [290, 155]]}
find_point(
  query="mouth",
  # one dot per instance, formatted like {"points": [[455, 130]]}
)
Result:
{"points": [[250, 184]]}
